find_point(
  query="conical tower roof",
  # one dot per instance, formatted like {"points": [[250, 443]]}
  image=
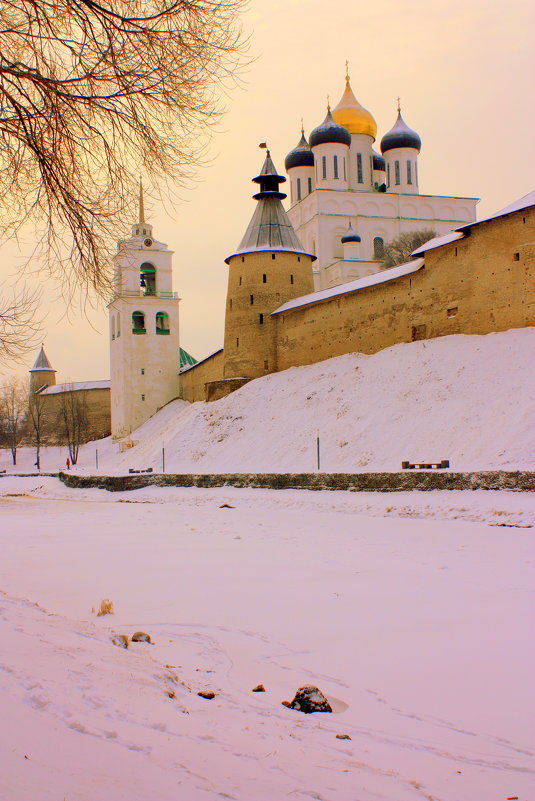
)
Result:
{"points": [[270, 227], [42, 363]]}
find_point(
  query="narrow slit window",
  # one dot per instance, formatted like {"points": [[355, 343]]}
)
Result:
{"points": [[516, 256], [324, 166], [273, 256], [409, 172], [398, 177], [309, 185], [291, 279], [261, 319], [360, 178], [299, 189], [264, 279], [251, 299], [388, 176], [335, 166]]}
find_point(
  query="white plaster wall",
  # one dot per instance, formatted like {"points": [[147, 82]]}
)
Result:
{"points": [[329, 150], [303, 174], [403, 155]]}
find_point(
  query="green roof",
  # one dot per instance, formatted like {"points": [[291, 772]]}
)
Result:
{"points": [[185, 359]]}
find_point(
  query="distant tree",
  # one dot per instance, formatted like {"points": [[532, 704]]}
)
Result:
{"points": [[91, 93], [399, 250], [38, 417], [73, 420], [13, 411]]}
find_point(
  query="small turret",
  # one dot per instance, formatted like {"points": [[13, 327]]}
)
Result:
{"points": [[330, 145], [42, 374], [400, 147], [351, 244], [299, 165]]}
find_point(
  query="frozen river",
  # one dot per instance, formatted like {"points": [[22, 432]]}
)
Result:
{"points": [[410, 611]]}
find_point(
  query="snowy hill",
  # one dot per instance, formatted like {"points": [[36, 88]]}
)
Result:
{"points": [[464, 398]]}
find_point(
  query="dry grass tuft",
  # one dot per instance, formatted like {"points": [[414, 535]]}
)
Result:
{"points": [[105, 608]]}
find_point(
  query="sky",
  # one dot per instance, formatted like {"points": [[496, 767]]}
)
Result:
{"points": [[463, 72]]}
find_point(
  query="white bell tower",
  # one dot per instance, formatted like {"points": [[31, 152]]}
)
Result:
{"points": [[144, 341]]}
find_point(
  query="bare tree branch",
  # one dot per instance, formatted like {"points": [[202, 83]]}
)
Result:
{"points": [[399, 249], [20, 327], [91, 94]]}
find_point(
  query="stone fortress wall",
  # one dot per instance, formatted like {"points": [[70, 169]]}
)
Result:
{"points": [[479, 284]]}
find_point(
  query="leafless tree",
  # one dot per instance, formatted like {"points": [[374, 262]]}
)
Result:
{"points": [[94, 92], [13, 410], [38, 418], [73, 423], [399, 249], [20, 326]]}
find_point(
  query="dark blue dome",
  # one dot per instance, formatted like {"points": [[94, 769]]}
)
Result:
{"points": [[330, 131], [400, 136], [350, 236], [300, 156], [378, 162]]}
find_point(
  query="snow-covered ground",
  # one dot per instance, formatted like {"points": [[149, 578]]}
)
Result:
{"points": [[412, 619], [468, 399], [411, 611]]}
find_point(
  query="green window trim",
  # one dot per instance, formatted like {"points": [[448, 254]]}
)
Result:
{"points": [[163, 331], [139, 330]]}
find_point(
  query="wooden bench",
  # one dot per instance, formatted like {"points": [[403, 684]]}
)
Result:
{"points": [[426, 465], [148, 470]]}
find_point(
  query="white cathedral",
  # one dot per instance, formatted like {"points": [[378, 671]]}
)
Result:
{"points": [[347, 200]]}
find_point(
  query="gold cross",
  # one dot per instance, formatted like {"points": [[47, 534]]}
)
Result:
{"points": [[399, 105]]}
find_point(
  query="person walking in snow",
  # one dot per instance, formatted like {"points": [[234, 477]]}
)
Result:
{"points": [[68, 463]]}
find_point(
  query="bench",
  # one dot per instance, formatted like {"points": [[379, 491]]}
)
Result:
{"points": [[426, 465]]}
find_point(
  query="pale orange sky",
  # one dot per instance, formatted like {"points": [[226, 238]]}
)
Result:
{"points": [[463, 71]]}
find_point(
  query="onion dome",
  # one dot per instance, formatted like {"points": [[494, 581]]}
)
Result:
{"points": [[353, 116], [329, 131], [378, 161], [350, 236], [400, 136], [300, 156]]}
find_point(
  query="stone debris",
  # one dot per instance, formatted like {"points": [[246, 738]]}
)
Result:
{"points": [[206, 694], [141, 636], [259, 689], [120, 640], [309, 699]]}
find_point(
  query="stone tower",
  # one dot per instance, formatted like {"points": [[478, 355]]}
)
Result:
{"points": [[269, 268], [144, 341], [42, 373]]}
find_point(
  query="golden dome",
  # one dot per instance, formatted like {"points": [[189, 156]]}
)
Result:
{"points": [[353, 116]]}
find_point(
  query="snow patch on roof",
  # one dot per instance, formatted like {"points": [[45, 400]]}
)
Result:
{"points": [[524, 202], [353, 286], [75, 386], [438, 241]]}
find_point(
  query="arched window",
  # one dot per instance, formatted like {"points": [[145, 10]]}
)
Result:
{"points": [[398, 174], [309, 185], [147, 278], [162, 323], [409, 172], [335, 166], [299, 189], [113, 326], [378, 248], [138, 323]]}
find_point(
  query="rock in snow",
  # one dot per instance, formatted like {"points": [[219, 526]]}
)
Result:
{"points": [[309, 699], [141, 636]]}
